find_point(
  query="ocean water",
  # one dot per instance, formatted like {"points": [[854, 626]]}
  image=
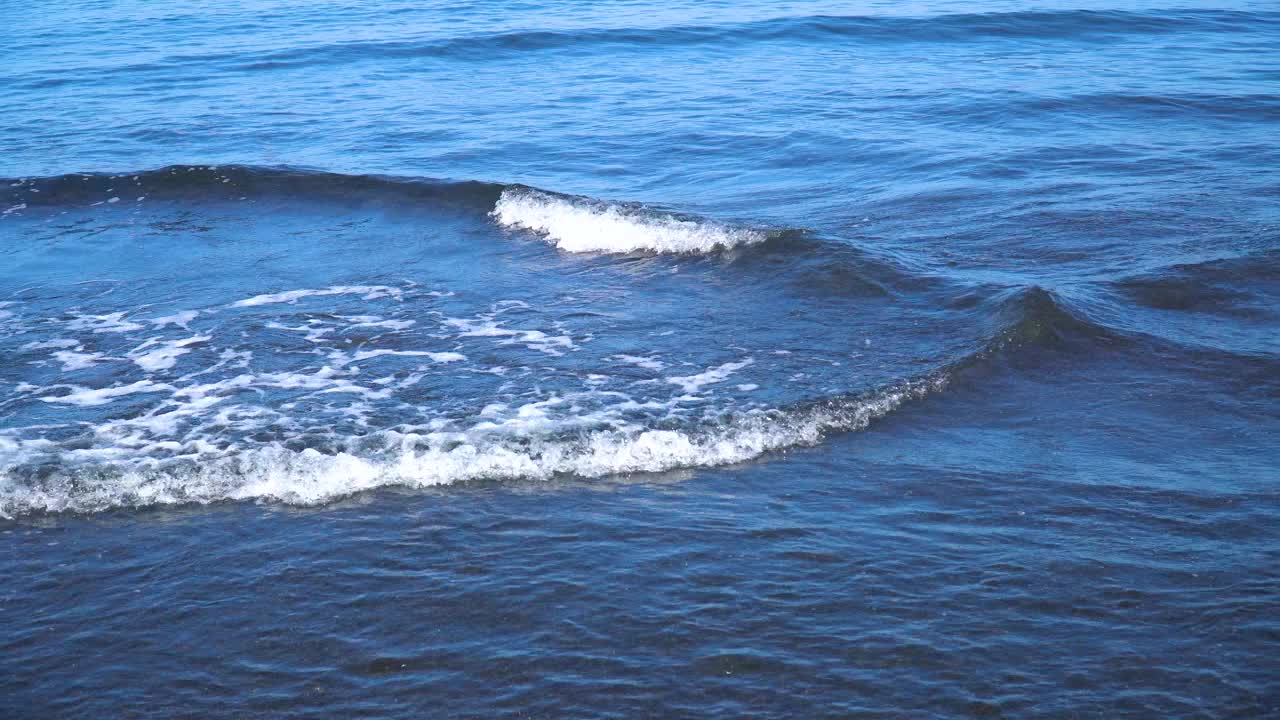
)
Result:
{"points": [[633, 359]]}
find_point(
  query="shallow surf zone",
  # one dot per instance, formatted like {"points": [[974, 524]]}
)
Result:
{"points": [[132, 393], [373, 356], [582, 225], [122, 394], [529, 445]]}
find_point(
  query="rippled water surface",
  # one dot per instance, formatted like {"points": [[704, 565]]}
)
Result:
{"points": [[640, 360]]}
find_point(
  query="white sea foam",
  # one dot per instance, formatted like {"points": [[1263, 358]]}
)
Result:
{"points": [[532, 339], [51, 344], [201, 407], [89, 396], [693, 383], [372, 321], [179, 319], [369, 292], [519, 443], [156, 354], [580, 226], [647, 363], [341, 359], [108, 323], [72, 360], [315, 331]]}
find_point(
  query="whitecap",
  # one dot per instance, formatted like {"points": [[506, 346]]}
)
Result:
{"points": [[581, 226]]}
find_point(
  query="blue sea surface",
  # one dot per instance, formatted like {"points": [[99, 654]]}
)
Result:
{"points": [[634, 359]]}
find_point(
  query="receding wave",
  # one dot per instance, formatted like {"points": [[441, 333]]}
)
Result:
{"points": [[581, 225]]}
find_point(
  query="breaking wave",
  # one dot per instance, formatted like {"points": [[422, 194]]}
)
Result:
{"points": [[574, 224], [356, 386], [423, 459], [578, 225]]}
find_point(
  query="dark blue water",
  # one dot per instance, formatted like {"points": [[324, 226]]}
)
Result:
{"points": [[801, 359]]}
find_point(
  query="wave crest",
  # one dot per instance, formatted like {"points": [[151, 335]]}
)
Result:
{"points": [[579, 225]]}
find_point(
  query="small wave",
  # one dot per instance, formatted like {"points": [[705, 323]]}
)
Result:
{"points": [[572, 223], [1034, 320], [581, 225], [1036, 317], [207, 183], [1033, 25], [408, 459], [1223, 307], [1225, 285]]}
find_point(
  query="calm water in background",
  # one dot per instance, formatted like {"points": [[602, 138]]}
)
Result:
{"points": [[642, 359]]}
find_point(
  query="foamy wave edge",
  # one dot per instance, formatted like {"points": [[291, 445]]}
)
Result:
{"points": [[308, 477], [581, 226]]}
